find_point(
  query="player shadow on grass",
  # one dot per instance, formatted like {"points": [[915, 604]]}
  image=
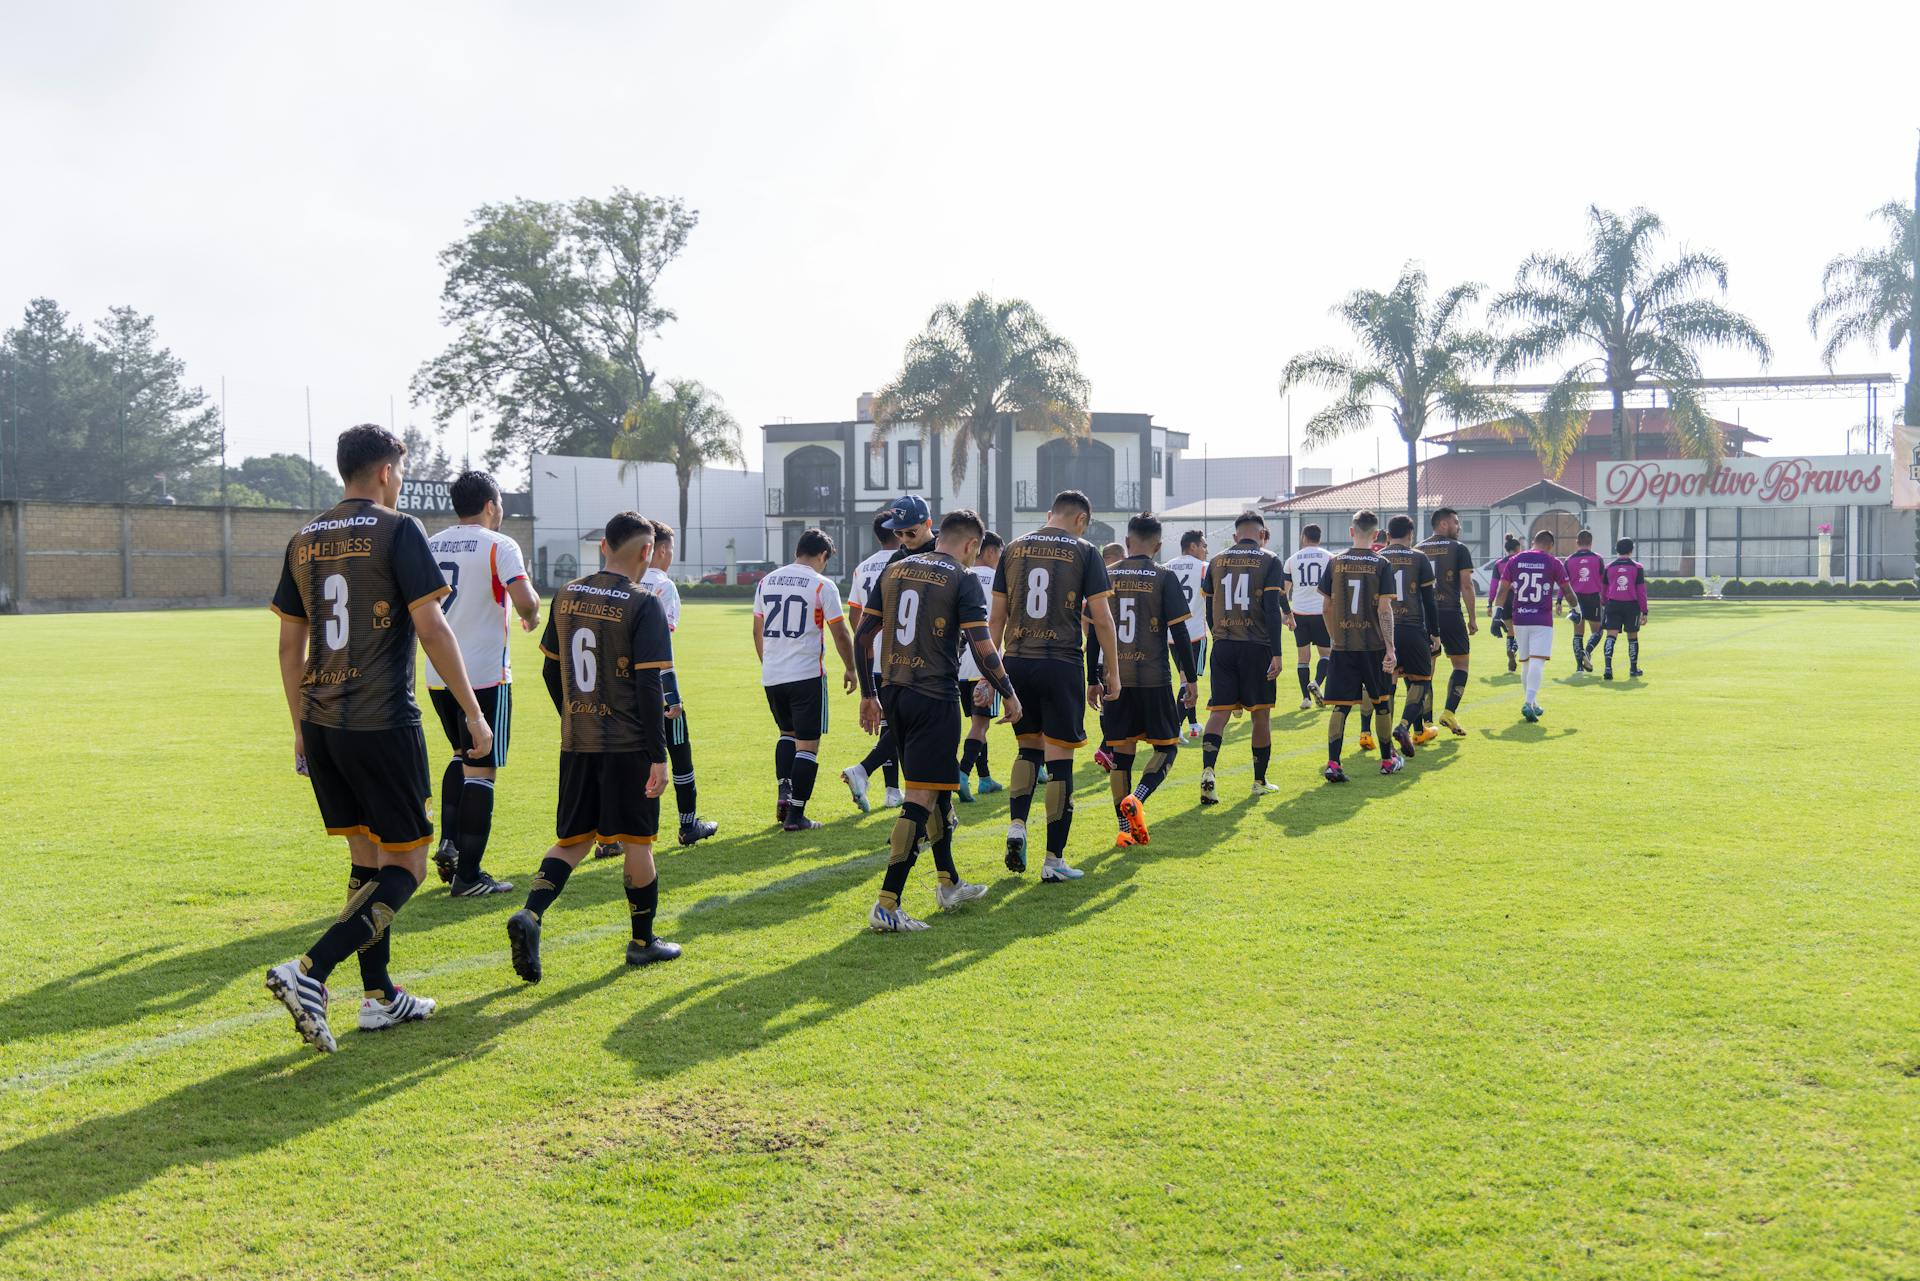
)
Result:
{"points": [[249, 1109], [1329, 804], [1529, 732]]}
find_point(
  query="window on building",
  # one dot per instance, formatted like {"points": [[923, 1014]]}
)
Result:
{"points": [[876, 466], [812, 478], [1085, 465], [910, 466], [1156, 464]]}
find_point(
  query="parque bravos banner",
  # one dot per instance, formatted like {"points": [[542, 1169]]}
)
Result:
{"points": [[1859, 480], [1906, 467]]}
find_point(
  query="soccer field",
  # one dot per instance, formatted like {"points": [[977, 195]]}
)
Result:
{"points": [[1630, 993]]}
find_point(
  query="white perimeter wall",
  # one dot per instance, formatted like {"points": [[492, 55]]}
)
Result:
{"points": [[573, 497]]}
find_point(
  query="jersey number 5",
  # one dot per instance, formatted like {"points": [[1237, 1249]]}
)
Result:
{"points": [[1128, 622]]}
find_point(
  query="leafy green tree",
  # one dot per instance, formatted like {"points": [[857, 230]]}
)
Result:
{"points": [[689, 428], [552, 304], [427, 458], [1417, 354], [977, 366], [1633, 319], [286, 480], [1869, 295]]}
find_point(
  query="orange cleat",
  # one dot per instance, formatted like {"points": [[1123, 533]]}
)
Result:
{"points": [[1136, 815]]}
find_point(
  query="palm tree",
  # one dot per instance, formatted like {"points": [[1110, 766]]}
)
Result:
{"points": [[1416, 353], [689, 428], [1870, 293], [1642, 320], [976, 367]]}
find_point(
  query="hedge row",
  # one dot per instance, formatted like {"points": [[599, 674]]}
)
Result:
{"points": [[1806, 587], [1675, 589]]}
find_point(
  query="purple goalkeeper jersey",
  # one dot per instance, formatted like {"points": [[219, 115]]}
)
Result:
{"points": [[1533, 576], [1586, 570], [1625, 580]]}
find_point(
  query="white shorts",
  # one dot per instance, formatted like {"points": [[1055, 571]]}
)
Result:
{"points": [[1535, 640]]}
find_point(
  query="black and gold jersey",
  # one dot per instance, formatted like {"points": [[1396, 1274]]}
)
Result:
{"points": [[1047, 577], [1147, 600], [927, 600], [1412, 570], [1356, 581], [1236, 585], [355, 575], [1449, 557], [605, 630]]}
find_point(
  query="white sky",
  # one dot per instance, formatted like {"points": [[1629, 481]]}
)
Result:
{"points": [[1182, 190]]}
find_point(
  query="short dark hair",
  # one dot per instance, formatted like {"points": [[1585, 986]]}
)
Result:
{"points": [[991, 540], [886, 537], [1144, 526], [1068, 500], [1310, 533], [471, 491], [624, 528], [1364, 520], [1191, 537], [1512, 543], [1249, 517], [963, 520], [1584, 538], [1399, 527], [662, 532], [1624, 547], [1440, 514], [1543, 537], [364, 448], [812, 542]]}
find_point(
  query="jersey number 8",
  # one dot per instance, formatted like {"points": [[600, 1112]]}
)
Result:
{"points": [[1037, 593]]}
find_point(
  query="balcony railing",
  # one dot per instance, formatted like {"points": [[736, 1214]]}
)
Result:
{"points": [[1028, 496], [805, 502]]}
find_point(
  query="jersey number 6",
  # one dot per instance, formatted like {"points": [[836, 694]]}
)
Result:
{"points": [[586, 664]]}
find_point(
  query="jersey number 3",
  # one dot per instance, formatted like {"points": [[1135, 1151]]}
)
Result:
{"points": [[335, 590]]}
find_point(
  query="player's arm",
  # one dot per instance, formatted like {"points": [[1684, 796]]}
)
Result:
{"points": [[1101, 607], [1640, 590], [759, 621], [863, 642], [1464, 577], [510, 571], [550, 667], [1430, 607], [1182, 647], [1383, 612], [526, 603], [843, 643], [652, 647], [293, 670], [986, 656]]}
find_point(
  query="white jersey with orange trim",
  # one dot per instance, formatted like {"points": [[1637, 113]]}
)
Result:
{"points": [[969, 665], [865, 575], [1189, 570], [661, 587], [477, 563], [793, 606]]}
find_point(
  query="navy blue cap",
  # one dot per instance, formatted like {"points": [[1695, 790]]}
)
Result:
{"points": [[907, 511]]}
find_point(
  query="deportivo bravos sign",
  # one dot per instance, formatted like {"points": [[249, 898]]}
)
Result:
{"points": [[1858, 480]]}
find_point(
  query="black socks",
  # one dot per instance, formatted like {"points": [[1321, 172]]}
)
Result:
{"points": [[1209, 750], [547, 884], [642, 902], [1456, 686], [366, 918], [475, 825]]}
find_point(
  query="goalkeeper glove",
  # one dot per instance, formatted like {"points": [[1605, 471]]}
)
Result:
{"points": [[1575, 616], [1500, 620]]}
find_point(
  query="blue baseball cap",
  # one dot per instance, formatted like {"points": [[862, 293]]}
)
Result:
{"points": [[907, 511]]}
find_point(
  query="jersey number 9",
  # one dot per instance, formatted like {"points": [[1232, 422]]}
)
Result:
{"points": [[909, 617]]}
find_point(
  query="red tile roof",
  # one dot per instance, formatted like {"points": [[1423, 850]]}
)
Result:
{"points": [[1451, 480], [1642, 422]]}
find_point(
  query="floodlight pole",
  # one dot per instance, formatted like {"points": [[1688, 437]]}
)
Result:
{"points": [[1913, 309]]}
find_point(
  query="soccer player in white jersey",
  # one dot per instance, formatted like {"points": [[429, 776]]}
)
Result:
{"points": [[978, 716], [794, 608], [1189, 567], [884, 755], [679, 742], [1306, 569], [485, 573]]}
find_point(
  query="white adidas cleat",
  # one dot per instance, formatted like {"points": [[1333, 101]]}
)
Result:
{"points": [[855, 777], [891, 920], [951, 896], [895, 798], [377, 1015], [1264, 789], [1054, 868], [305, 999]]}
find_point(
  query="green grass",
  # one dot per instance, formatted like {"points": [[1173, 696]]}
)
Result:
{"points": [[1485, 1019]]}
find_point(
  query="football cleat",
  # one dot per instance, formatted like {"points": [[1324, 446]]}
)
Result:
{"points": [[1392, 765], [446, 861], [952, 896], [1016, 847], [855, 777], [377, 1015], [1366, 742], [786, 799], [609, 849], [698, 830], [895, 798], [1403, 740], [1426, 735], [891, 920], [1313, 692], [1636, 672], [1306, 704], [1209, 794], [1452, 722], [652, 950], [1190, 734], [523, 944], [305, 999], [1054, 870], [1134, 814], [963, 792], [1513, 663], [1263, 788], [987, 786], [1608, 675], [480, 886], [1104, 759], [801, 823], [1529, 712], [1124, 839], [1332, 772]]}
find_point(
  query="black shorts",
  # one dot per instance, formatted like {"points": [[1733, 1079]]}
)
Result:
{"points": [[1240, 680], [1591, 607], [1413, 651], [496, 704], [1623, 616], [967, 707], [926, 731], [1146, 712], [603, 797], [1053, 700], [1309, 630], [1454, 641], [371, 783], [800, 708], [1355, 676]]}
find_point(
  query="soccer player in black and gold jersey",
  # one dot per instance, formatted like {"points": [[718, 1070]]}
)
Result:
{"points": [[356, 587], [1453, 586], [1246, 610], [607, 651], [1044, 580], [1359, 591], [1416, 633], [1150, 622], [928, 606]]}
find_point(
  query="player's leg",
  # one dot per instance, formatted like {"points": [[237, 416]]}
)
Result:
{"points": [[626, 805], [1342, 693], [576, 823], [642, 881], [1059, 802], [1063, 732], [453, 724], [1225, 697], [1120, 784], [686, 792], [1192, 714], [1320, 672], [903, 849], [1030, 764], [1262, 718]]}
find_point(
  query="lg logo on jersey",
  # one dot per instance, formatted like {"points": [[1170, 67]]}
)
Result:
{"points": [[382, 614]]}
